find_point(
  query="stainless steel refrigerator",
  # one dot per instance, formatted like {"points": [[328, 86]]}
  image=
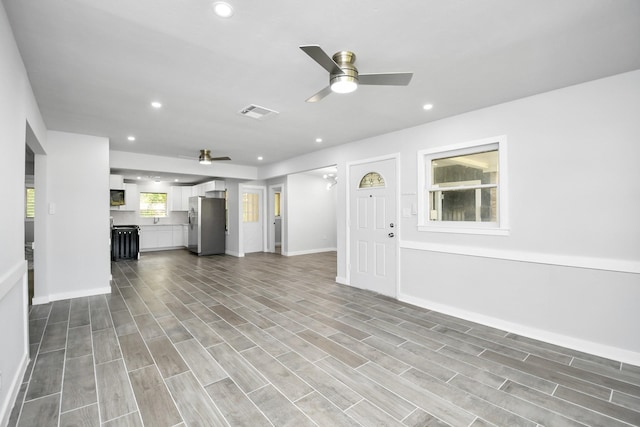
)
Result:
{"points": [[206, 225]]}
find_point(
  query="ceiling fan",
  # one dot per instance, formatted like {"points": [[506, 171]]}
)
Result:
{"points": [[205, 157], [344, 76]]}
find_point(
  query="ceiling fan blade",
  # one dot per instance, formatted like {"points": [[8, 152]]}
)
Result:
{"points": [[221, 158], [317, 54], [390, 79], [321, 94]]}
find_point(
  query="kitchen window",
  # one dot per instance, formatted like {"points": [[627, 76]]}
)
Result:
{"points": [[153, 205], [463, 188]]}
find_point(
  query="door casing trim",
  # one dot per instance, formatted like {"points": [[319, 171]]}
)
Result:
{"points": [[396, 158]]}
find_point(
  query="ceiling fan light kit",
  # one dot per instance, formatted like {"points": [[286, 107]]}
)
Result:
{"points": [[205, 157], [346, 81], [343, 74]]}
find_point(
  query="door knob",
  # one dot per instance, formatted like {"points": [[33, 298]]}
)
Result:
{"points": [[391, 234]]}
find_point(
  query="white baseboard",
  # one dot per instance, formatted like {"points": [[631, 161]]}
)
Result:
{"points": [[168, 248], [234, 253], [342, 280], [309, 251], [68, 295], [14, 389], [578, 344]]}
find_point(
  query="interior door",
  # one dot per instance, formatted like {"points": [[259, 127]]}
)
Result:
{"points": [[373, 228], [252, 222]]}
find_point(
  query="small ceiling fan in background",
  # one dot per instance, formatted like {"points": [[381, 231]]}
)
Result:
{"points": [[344, 76], [205, 157]]}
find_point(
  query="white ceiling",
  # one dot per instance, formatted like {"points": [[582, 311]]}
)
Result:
{"points": [[95, 66]]}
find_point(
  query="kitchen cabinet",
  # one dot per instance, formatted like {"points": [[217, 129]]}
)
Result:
{"points": [[165, 236], [214, 186], [178, 236], [131, 198], [116, 182], [198, 190], [206, 187], [162, 237], [185, 235], [176, 198], [180, 198], [148, 238]]}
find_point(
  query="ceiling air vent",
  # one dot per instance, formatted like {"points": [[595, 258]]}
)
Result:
{"points": [[257, 112]]}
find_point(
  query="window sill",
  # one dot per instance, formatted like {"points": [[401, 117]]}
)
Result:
{"points": [[465, 230]]}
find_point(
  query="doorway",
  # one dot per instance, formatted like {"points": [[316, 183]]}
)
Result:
{"points": [[275, 218], [253, 219], [29, 217], [373, 249]]}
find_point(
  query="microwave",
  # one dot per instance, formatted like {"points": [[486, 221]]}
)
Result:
{"points": [[116, 197]]}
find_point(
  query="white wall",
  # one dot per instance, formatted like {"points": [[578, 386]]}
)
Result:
{"points": [[76, 218], [232, 244], [310, 215], [17, 108], [569, 270]]}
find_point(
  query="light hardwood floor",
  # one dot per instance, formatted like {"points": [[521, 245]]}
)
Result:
{"points": [[270, 340]]}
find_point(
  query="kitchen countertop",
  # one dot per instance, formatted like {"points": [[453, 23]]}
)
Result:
{"points": [[151, 225]]}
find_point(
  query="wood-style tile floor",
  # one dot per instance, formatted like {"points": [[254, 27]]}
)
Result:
{"points": [[269, 340]]}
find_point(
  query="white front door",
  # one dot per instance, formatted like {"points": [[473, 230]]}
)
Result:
{"points": [[373, 227], [252, 220]]}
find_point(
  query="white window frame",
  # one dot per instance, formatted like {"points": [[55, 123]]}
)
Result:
{"points": [[166, 204], [425, 176]]}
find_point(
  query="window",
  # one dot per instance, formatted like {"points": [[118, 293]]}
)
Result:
{"points": [[371, 179], [153, 205], [464, 188], [276, 204], [30, 203], [250, 208]]}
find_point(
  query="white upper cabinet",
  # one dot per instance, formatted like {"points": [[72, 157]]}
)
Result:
{"points": [[214, 186], [180, 197], [207, 187], [131, 198], [116, 182]]}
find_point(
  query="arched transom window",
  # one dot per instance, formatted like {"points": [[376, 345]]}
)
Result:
{"points": [[371, 179]]}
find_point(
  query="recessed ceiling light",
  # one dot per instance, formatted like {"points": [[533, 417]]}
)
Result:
{"points": [[156, 104], [176, 180], [259, 157], [138, 177], [131, 138], [222, 9], [318, 140], [427, 106]]}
